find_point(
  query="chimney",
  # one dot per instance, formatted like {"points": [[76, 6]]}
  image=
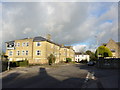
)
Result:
{"points": [[48, 36], [62, 45]]}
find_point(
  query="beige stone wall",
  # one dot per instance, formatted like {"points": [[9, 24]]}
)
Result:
{"points": [[67, 53], [63, 54], [53, 49], [46, 48], [42, 57], [112, 45], [21, 48]]}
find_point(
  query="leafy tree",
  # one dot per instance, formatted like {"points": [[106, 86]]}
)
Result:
{"points": [[103, 51], [92, 55], [51, 59]]}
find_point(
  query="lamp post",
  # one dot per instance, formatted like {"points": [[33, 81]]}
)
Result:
{"points": [[8, 68], [96, 46]]}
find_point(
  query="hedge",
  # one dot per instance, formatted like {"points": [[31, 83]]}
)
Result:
{"points": [[23, 63], [19, 63], [4, 65], [68, 60]]}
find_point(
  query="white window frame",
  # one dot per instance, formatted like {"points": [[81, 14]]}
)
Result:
{"points": [[26, 53], [27, 44], [23, 44], [10, 53], [18, 44], [23, 52], [38, 43], [37, 52], [18, 53]]}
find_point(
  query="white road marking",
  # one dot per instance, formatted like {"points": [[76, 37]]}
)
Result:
{"points": [[89, 76]]}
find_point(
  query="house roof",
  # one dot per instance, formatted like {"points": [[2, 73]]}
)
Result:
{"points": [[118, 43], [39, 38], [10, 42]]}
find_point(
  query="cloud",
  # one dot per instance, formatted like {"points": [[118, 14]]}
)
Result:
{"points": [[79, 48], [27, 30], [68, 23]]}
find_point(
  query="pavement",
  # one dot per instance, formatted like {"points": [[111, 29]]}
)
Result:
{"points": [[106, 82], [61, 76]]}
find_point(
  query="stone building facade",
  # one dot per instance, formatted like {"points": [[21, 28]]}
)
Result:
{"points": [[114, 48], [36, 50]]}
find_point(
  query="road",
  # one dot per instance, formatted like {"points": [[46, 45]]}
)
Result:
{"points": [[65, 76]]}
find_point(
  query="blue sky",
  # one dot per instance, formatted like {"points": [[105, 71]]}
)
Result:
{"points": [[69, 23]]}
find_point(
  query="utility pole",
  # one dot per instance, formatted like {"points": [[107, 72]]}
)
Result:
{"points": [[8, 68], [96, 46]]}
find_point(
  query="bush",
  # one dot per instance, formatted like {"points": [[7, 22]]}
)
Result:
{"points": [[19, 63], [68, 60], [23, 63], [51, 59], [14, 64], [4, 65]]}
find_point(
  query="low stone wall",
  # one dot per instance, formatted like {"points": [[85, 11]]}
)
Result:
{"points": [[41, 61], [108, 63]]}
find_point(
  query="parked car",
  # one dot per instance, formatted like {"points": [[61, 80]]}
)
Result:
{"points": [[91, 63]]}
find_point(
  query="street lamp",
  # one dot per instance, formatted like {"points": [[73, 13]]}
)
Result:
{"points": [[96, 46], [8, 68]]}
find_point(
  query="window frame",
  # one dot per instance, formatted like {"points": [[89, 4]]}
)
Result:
{"points": [[23, 52], [18, 53], [37, 52], [27, 44], [10, 53], [38, 43], [26, 52], [18, 44]]}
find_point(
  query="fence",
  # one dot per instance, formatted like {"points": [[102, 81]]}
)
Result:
{"points": [[108, 63]]}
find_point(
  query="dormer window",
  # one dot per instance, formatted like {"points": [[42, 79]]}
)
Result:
{"points": [[38, 44]]}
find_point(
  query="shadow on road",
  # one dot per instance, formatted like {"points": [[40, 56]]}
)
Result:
{"points": [[41, 80], [104, 77]]}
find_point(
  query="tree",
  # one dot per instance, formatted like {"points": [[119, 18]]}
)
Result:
{"points": [[51, 59], [3, 56], [103, 51], [92, 55]]}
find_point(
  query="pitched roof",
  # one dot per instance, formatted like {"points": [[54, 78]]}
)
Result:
{"points": [[39, 38], [118, 43], [10, 42]]}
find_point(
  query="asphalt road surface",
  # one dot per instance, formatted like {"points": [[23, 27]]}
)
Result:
{"points": [[65, 76]]}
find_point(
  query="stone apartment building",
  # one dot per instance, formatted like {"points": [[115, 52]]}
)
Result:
{"points": [[36, 50], [114, 48]]}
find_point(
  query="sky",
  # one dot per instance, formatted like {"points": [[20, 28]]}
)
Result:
{"points": [[80, 24]]}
